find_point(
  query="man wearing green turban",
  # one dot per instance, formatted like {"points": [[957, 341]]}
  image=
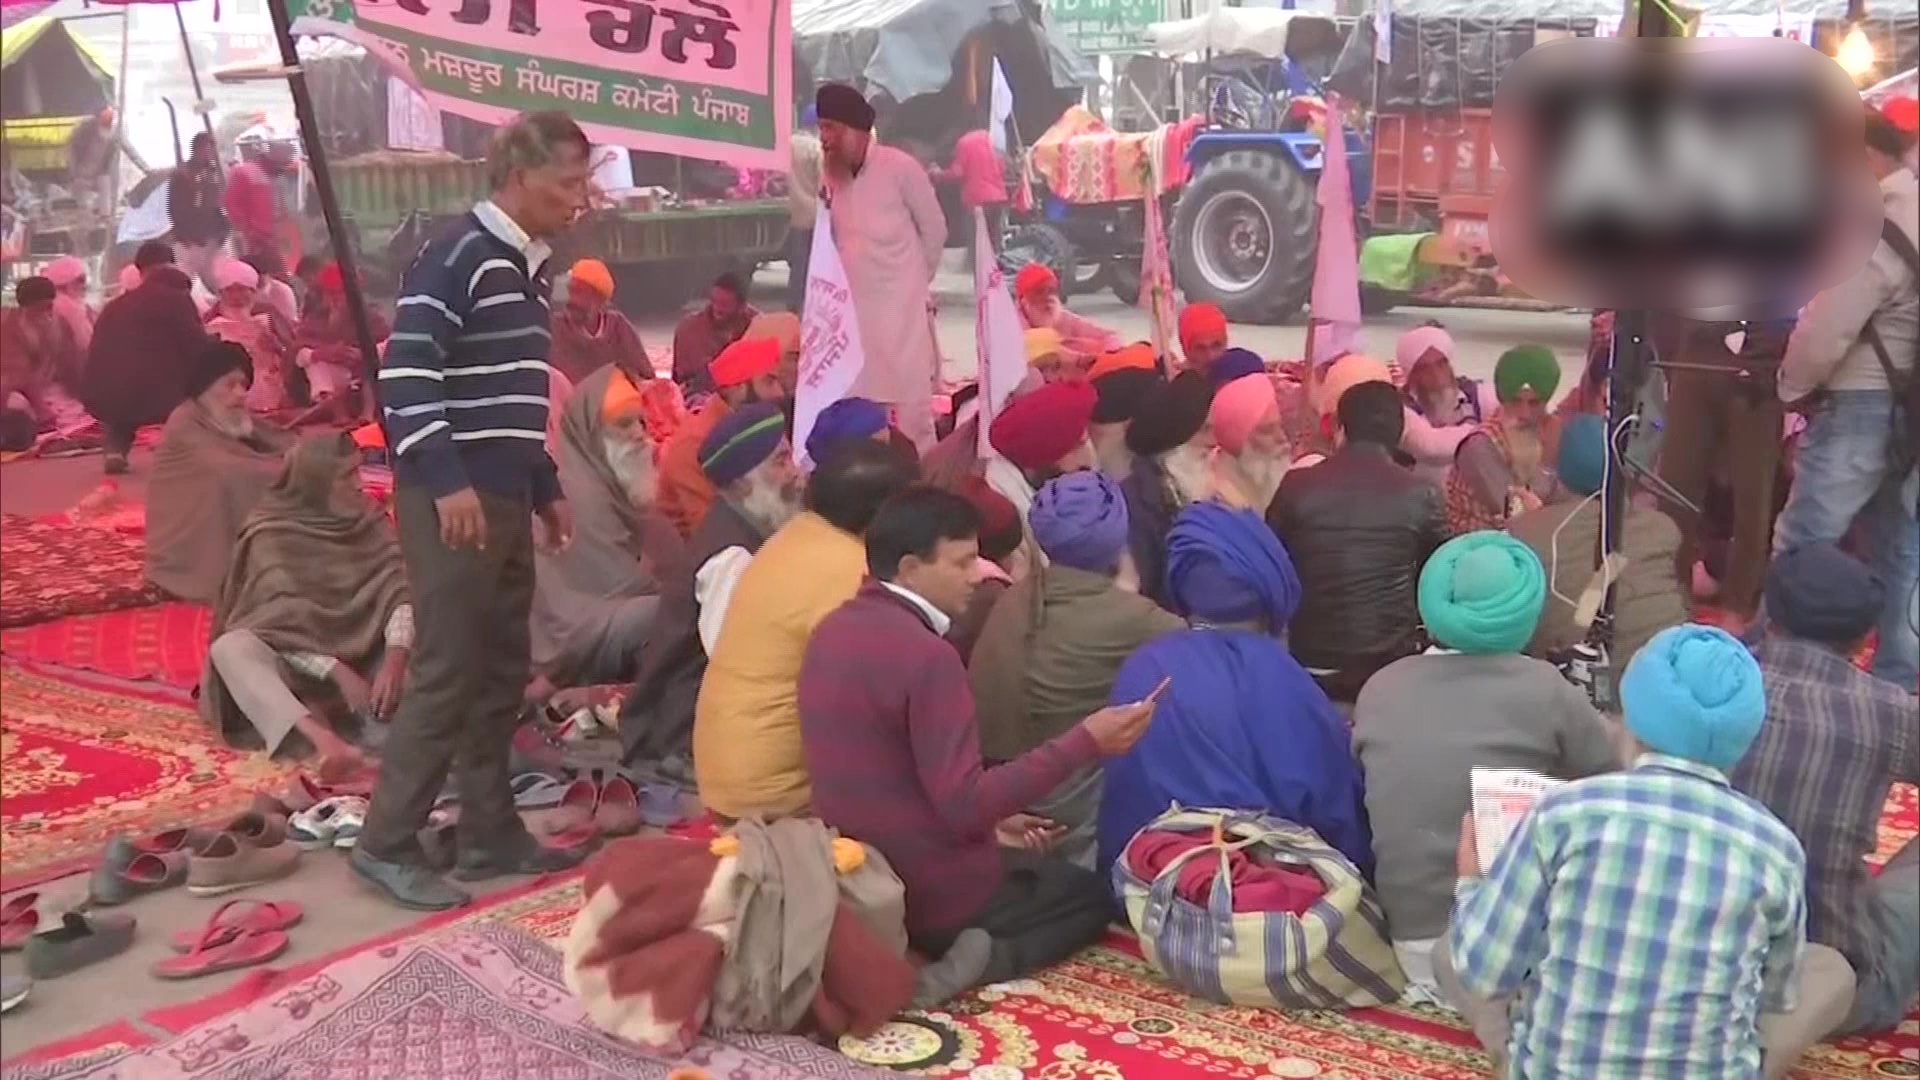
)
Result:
{"points": [[1422, 723], [1502, 469]]}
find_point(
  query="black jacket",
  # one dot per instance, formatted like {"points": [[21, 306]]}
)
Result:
{"points": [[1359, 527], [193, 203]]}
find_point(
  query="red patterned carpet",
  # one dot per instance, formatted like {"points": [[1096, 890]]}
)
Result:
{"points": [[56, 569], [166, 642], [83, 761]]}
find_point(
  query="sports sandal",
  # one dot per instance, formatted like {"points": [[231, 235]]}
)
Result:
{"points": [[218, 949], [248, 917], [331, 822]]}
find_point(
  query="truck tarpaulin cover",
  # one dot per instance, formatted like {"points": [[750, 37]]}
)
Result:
{"points": [[1443, 63], [708, 79], [905, 48]]}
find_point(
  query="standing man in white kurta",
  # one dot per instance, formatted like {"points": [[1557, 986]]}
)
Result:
{"points": [[890, 231]]}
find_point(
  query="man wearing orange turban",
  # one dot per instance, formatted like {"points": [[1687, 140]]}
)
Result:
{"points": [[1036, 290], [589, 333], [747, 370], [1203, 334]]}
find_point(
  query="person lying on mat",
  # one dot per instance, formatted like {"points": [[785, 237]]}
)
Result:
{"points": [[749, 461], [891, 738], [1243, 725], [1834, 741], [746, 724], [315, 589], [1052, 646], [1639, 923], [1421, 724], [213, 463], [594, 600]]}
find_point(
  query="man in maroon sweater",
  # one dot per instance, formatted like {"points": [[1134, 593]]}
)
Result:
{"points": [[891, 742]]}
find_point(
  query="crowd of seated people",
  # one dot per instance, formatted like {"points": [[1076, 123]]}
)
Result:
{"points": [[1160, 582]]}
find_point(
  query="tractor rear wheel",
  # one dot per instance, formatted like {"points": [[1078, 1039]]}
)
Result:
{"points": [[1243, 236]]}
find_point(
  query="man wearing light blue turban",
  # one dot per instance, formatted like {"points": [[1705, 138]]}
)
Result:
{"points": [[1242, 724]]}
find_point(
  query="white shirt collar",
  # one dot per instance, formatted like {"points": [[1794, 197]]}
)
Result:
{"points": [[496, 221], [940, 620]]}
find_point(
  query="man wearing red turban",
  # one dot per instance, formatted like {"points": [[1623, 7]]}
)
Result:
{"points": [[1203, 334], [1036, 289], [1039, 436], [745, 371]]}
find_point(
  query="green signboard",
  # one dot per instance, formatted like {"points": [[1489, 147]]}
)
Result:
{"points": [[1107, 26]]}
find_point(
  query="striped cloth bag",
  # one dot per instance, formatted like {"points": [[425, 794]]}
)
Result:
{"points": [[1334, 956]]}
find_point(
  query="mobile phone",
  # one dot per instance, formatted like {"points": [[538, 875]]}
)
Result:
{"points": [[1153, 696]]}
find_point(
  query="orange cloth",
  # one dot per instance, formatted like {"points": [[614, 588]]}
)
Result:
{"points": [[1201, 320], [685, 492], [1137, 355], [1034, 279], [1903, 113], [744, 361], [595, 273], [622, 399], [369, 437]]}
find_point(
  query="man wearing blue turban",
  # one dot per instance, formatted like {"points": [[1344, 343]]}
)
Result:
{"points": [[1049, 651], [1242, 725], [1422, 724]]}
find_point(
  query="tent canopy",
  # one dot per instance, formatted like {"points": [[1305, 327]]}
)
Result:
{"points": [[1255, 31], [47, 71], [905, 48]]}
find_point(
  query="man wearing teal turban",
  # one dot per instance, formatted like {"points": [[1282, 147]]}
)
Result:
{"points": [[1503, 468], [1642, 921], [1422, 723]]}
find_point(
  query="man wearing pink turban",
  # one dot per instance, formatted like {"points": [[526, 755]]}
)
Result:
{"points": [[1253, 450]]}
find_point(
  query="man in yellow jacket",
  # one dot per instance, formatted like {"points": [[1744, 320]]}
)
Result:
{"points": [[746, 728]]}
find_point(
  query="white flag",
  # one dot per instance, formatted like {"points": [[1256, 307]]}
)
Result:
{"points": [[830, 352], [999, 108], [1000, 345]]}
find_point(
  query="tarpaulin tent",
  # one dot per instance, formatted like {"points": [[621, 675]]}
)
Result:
{"points": [[49, 80]]}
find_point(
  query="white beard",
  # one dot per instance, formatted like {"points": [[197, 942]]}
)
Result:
{"points": [[1260, 475], [765, 504], [632, 465], [1188, 471], [234, 425]]}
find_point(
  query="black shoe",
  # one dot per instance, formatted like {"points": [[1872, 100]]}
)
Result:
{"points": [[410, 886], [522, 855], [116, 465]]}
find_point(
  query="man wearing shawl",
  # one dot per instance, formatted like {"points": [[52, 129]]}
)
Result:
{"points": [[1505, 468], [1172, 443], [1203, 335], [316, 590], [236, 319], [1036, 291], [1565, 534], [589, 333], [1050, 650], [1442, 408], [1620, 895], [213, 463], [750, 463], [890, 231], [1423, 723], [703, 334], [594, 600], [1242, 725], [327, 341], [69, 276], [38, 351], [1359, 526], [1122, 381], [745, 371], [146, 344], [1834, 741], [1039, 436], [1253, 454]]}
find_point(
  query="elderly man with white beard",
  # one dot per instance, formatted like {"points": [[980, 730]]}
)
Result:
{"points": [[750, 462], [1254, 453], [1172, 442], [594, 601]]}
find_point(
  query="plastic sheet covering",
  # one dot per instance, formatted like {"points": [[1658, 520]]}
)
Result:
{"points": [[1456, 63], [905, 48], [350, 102]]}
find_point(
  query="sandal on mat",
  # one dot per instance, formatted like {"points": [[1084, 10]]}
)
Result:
{"points": [[331, 822], [214, 953], [252, 916]]}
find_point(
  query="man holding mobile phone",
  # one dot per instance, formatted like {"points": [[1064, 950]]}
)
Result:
{"points": [[892, 746]]}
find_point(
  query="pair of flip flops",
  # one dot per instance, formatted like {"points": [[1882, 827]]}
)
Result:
{"points": [[241, 933], [19, 918]]}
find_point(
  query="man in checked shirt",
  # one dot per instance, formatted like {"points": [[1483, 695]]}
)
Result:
{"points": [[1641, 922]]}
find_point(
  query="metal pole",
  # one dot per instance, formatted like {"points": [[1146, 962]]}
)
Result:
{"points": [[119, 137], [337, 237], [193, 71]]}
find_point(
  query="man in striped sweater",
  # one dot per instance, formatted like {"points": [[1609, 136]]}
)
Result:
{"points": [[463, 387]]}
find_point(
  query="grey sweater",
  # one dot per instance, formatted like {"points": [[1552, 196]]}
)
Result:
{"points": [[1420, 724]]}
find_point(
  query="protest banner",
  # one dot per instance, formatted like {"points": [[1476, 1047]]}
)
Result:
{"points": [[830, 354], [1334, 309], [700, 78], [999, 341]]}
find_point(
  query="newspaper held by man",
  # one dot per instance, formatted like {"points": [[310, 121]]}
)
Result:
{"points": [[1499, 799]]}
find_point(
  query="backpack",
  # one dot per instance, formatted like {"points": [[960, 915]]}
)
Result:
{"points": [[1906, 392]]}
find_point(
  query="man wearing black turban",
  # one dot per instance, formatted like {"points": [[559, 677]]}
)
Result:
{"points": [[1171, 441]]}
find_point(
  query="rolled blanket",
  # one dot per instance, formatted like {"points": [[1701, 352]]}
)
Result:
{"points": [[1482, 593], [1694, 692]]}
